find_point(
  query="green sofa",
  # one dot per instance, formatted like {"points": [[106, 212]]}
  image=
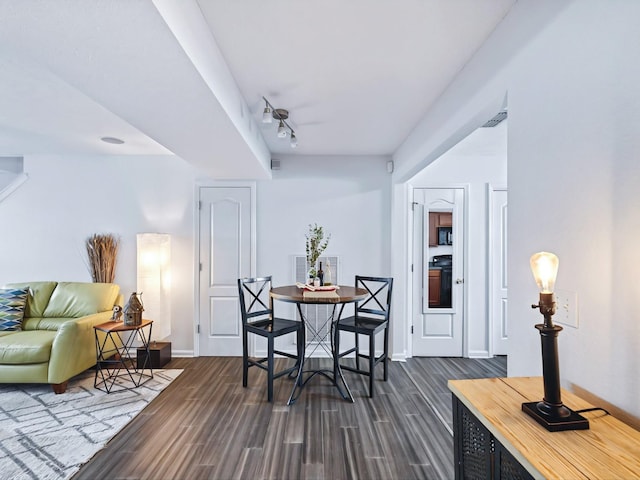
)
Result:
{"points": [[56, 340]]}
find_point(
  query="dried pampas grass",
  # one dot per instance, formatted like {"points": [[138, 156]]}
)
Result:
{"points": [[102, 250]]}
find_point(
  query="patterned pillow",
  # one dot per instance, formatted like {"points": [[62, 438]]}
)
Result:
{"points": [[12, 305]]}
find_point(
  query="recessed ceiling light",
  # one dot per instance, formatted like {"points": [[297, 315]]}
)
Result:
{"points": [[114, 140]]}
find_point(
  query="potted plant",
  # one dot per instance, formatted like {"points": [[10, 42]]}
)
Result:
{"points": [[315, 245]]}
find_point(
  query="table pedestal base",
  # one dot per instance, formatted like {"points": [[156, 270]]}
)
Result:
{"points": [[335, 376]]}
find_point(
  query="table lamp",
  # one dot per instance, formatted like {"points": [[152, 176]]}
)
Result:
{"points": [[550, 412]]}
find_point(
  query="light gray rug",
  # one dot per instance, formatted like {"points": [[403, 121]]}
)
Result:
{"points": [[49, 436]]}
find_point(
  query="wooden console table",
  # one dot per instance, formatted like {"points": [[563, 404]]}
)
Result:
{"points": [[494, 438]]}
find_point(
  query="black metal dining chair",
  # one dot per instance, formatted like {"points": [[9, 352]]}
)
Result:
{"points": [[371, 317], [256, 307]]}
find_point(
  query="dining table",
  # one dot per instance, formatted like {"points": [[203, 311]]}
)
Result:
{"points": [[336, 295]]}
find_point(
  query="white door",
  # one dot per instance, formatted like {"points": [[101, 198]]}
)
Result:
{"points": [[438, 272], [498, 269], [225, 251]]}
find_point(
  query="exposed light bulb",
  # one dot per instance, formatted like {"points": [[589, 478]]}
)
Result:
{"points": [[294, 140], [267, 117], [544, 266], [282, 131]]}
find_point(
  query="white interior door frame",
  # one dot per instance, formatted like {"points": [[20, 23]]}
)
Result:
{"points": [[496, 227], [196, 247], [415, 284]]}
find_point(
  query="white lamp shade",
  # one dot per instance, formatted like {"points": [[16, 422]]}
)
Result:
{"points": [[154, 281], [544, 266]]}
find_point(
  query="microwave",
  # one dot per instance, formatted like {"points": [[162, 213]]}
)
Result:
{"points": [[445, 237]]}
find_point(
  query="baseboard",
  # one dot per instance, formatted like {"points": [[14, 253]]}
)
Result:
{"points": [[399, 357], [182, 353], [479, 354]]}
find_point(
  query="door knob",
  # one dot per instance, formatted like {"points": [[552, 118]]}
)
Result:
{"points": [[459, 280]]}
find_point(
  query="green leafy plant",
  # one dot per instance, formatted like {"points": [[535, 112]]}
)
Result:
{"points": [[315, 245]]}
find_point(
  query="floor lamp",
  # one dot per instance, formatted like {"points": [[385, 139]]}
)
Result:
{"points": [[154, 280]]}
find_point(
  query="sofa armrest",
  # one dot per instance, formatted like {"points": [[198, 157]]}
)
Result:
{"points": [[74, 347]]}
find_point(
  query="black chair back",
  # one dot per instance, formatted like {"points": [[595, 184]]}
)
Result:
{"points": [[378, 303], [255, 301]]}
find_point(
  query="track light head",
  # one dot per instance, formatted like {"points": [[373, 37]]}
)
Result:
{"points": [[267, 117], [282, 131]]}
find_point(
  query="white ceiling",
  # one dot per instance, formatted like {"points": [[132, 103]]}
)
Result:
{"points": [[356, 75]]}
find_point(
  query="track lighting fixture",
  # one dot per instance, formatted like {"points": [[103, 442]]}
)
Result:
{"points": [[281, 115]]}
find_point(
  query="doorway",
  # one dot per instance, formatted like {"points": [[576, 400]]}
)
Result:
{"points": [[438, 272], [226, 252]]}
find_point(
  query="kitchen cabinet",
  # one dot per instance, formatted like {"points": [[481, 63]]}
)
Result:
{"points": [[438, 219], [434, 286]]}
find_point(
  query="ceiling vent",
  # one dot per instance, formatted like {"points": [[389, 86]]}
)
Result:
{"points": [[496, 120]]}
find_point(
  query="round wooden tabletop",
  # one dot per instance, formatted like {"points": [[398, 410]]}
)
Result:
{"points": [[344, 294]]}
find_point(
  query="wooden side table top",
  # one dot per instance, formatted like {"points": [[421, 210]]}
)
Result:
{"points": [[120, 326], [610, 449]]}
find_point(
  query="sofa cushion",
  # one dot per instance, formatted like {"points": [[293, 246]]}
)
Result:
{"points": [[77, 299], [13, 302], [26, 347], [52, 323], [39, 295]]}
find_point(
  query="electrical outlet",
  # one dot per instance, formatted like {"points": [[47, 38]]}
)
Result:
{"points": [[566, 308]]}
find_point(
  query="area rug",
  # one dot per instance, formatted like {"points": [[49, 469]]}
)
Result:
{"points": [[49, 436]]}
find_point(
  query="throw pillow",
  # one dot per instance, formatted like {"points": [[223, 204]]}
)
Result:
{"points": [[12, 305]]}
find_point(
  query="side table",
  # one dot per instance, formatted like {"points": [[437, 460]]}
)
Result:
{"points": [[114, 359]]}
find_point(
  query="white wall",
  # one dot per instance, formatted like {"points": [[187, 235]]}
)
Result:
{"points": [[573, 140], [66, 199], [573, 176], [348, 196], [478, 160]]}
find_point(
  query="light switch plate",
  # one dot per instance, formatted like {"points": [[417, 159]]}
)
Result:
{"points": [[566, 308]]}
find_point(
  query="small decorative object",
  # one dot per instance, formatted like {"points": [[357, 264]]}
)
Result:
{"points": [[117, 313], [327, 276], [315, 245], [550, 412], [102, 250], [133, 310]]}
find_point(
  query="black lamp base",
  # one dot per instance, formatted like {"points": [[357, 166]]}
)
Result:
{"points": [[570, 420]]}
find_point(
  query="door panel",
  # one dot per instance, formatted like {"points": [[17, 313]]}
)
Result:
{"points": [[498, 300], [438, 317], [225, 255]]}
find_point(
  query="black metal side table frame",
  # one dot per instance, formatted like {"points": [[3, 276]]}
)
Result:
{"points": [[114, 357]]}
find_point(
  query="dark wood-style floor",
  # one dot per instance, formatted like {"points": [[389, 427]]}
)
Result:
{"points": [[206, 426]]}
